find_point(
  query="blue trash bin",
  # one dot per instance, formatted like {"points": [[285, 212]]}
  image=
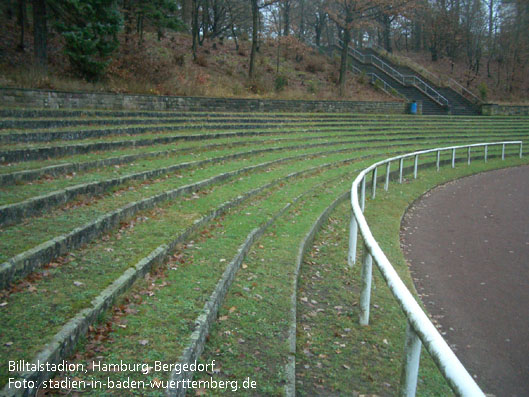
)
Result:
{"points": [[413, 107]]}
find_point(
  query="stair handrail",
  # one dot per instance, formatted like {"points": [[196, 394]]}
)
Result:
{"points": [[464, 91], [416, 82], [405, 80], [386, 87], [441, 80]]}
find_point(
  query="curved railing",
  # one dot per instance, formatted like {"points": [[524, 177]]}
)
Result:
{"points": [[420, 328]]}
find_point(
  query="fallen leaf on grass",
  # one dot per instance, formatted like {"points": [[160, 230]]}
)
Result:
{"points": [[77, 283], [143, 342]]}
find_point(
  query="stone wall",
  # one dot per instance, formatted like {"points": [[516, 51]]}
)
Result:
{"points": [[14, 97], [490, 109]]}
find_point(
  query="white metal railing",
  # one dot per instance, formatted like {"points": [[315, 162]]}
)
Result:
{"points": [[419, 328], [405, 80]]}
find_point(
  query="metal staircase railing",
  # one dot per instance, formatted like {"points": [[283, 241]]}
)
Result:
{"points": [[406, 80], [383, 85], [443, 81]]}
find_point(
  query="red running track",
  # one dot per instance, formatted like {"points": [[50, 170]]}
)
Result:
{"points": [[467, 243]]}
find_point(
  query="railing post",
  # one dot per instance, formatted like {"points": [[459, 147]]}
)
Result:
{"points": [[365, 295], [438, 162], [386, 185], [520, 149], [400, 169], [353, 238], [374, 183], [486, 152], [468, 155], [416, 162], [503, 151], [453, 158], [410, 370], [363, 194]]}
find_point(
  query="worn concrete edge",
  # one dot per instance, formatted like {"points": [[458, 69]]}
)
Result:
{"points": [[131, 127], [28, 122], [59, 169], [203, 322], [11, 214], [72, 135], [40, 153], [290, 370], [24, 263], [71, 332], [19, 155], [45, 152], [64, 341]]}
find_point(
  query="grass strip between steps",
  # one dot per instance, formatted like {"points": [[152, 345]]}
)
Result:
{"points": [[237, 200], [25, 263]]}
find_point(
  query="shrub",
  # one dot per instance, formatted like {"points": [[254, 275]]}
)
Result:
{"points": [[312, 87], [362, 77], [313, 65], [483, 91], [201, 60], [281, 82]]}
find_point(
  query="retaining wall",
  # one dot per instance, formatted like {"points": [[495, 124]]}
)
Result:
{"points": [[16, 97], [491, 109]]}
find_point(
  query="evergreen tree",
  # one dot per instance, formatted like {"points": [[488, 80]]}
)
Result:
{"points": [[90, 29]]}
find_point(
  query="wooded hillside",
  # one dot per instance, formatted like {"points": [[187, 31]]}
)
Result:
{"points": [[482, 43]]}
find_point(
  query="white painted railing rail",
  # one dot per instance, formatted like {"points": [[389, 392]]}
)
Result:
{"points": [[420, 328]]}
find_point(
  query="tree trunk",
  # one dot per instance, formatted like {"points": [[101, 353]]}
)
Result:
{"points": [[22, 18], [139, 27], [301, 32], [187, 12], [255, 28], [40, 35], [386, 33], [194, 28], [490, 43], [234, 34], [343, 60], [127, 11], [286, 18]]}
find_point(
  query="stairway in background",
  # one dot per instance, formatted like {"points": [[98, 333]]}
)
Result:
{"points": [[457, 104]]}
